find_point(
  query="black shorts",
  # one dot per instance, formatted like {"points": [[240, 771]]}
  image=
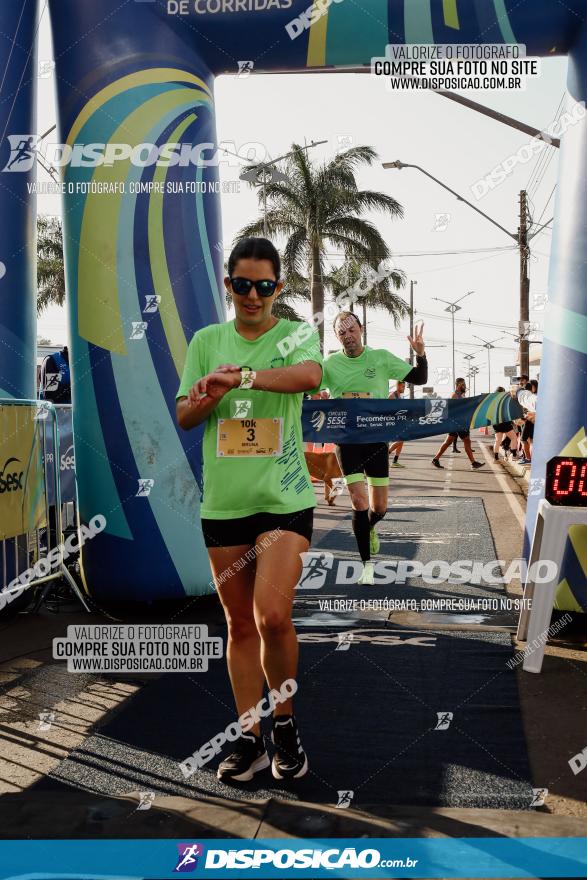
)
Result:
{"points": [[503, 427], [371, 459], [528, 430], [462, 435], [246, 529]]}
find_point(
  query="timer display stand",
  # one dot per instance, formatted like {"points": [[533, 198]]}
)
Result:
{"points": [[565, 487]]}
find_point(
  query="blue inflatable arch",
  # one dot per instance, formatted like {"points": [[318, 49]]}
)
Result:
{"points": [[132, 73]]}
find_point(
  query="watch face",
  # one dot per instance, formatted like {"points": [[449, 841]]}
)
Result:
{"points": [[566, 481]]}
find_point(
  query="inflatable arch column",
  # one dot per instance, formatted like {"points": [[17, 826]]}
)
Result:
{"points": [[17, 207], [561, 426]]}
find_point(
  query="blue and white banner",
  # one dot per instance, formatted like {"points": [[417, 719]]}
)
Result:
{"points": [[66, 457], [284, 857], [379, 421]]}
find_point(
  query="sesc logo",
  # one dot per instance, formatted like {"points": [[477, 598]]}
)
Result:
{"points": [[67, 462], [11, 476], [318, 418]]}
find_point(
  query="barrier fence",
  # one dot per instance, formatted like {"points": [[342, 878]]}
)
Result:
{"points": [[31, 523]]}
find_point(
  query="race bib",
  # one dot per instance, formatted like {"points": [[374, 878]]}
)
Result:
{"points": [[249, 437], [356, 394]]}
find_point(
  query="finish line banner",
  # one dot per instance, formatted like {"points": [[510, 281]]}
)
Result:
{"points": [[284, 857], [380, 421]]}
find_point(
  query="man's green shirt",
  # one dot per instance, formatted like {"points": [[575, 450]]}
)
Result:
{"points": [[242, 485], [367, 374]]}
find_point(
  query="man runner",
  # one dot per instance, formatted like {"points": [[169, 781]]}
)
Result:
{"points": [[360, 371], [465, 436]]}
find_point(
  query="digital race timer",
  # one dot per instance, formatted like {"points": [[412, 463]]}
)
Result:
{"points": [[566, 481]]}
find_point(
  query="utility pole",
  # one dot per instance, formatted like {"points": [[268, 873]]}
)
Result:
{"points": [[524, 284], [412, 332]]}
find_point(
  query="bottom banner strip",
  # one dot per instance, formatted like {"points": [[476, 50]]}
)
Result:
{"points": [[346, 858]]}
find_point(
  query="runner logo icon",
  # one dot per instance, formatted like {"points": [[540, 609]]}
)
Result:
{"points": [[315, 569], [188, 854], [241, 409], [23, 151], [444, 719], [344, 799]]}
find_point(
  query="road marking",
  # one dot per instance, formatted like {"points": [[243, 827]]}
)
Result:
{"points": [[511, 498]]}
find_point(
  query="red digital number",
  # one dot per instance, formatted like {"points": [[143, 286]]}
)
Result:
{"points": [[557, 478], [581, 490]]}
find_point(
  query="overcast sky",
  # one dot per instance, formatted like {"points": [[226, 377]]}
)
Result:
{"points": [[456, 145]]}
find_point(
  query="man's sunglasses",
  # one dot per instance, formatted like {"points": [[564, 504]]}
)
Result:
{"points": [[242, 286]]}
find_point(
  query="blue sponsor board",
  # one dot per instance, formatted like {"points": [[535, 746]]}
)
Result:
{"points": [[374, 421]]}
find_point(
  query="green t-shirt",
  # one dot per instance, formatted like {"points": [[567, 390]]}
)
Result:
{"points": [[367, 374], [241, 485]]}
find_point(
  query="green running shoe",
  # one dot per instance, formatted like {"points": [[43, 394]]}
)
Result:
{"points": [[373, 542]]}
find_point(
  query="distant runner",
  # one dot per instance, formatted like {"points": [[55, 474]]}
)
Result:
{"points": [[360, 371], [257, 492], [396, 448], [465, 435]]}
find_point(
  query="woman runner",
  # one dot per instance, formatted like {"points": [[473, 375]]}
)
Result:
{"points": [[257, 490]]}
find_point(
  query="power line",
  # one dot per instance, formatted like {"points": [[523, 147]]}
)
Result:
{"points": [[546, 206], [466, 321]]}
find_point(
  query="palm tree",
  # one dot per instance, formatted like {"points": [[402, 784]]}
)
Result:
{"points": [[319, 208], [353, 275], [50, 274]]}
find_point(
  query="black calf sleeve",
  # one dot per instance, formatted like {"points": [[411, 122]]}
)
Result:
{"points": [[374, 518], [361, 528]]}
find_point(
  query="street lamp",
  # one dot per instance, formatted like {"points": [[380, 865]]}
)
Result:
{"points": [[264, 173], [452, 307], [522, 239], [488, 346], [468, 357], [472, 372], [399, 165]]}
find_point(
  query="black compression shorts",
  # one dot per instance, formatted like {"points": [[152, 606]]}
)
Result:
{"points": [[246, 529], [462, 435], [371, 459]]}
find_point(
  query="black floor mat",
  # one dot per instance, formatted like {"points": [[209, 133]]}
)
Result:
{"points": [[368, 717]]}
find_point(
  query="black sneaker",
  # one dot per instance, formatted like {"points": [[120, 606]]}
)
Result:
{"points": [[290, 760], [437, 464], [458, 451], [249, 756], [477, 464]]}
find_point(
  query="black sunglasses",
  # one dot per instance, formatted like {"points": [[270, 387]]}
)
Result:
{"points": [[242, 286]]}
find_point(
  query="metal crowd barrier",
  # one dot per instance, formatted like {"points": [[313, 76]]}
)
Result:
{"points": [[32, 551]]}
